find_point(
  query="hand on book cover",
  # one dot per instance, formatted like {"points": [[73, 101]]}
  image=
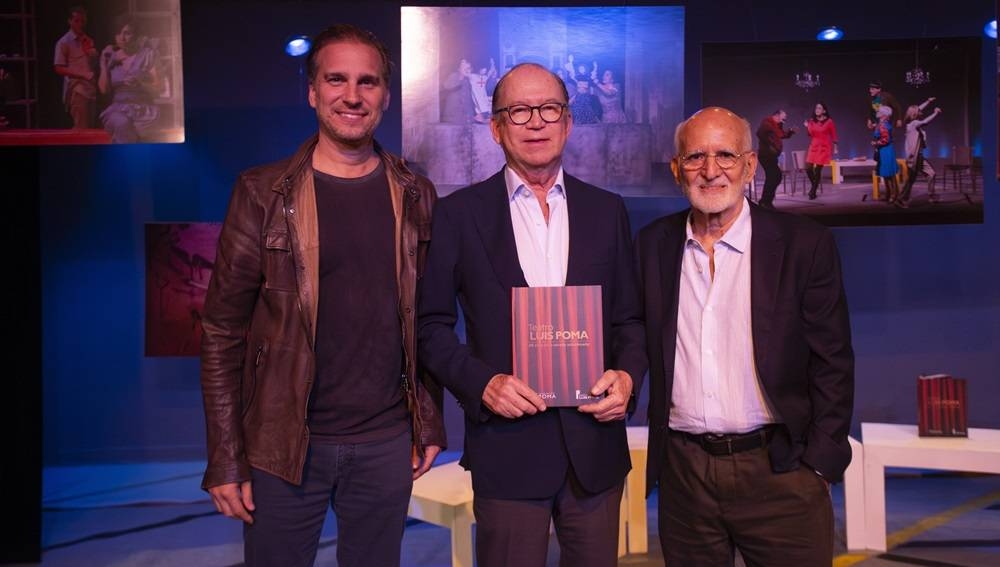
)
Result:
{"points": [[508, 396], [617, 384]]}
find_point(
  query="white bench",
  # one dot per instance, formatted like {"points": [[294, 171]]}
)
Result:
{"points": [[443, 497], [854, 496], [890, 445], [632, 525]]}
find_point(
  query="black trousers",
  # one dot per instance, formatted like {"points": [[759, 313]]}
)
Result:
{"points": [[772, 177]]}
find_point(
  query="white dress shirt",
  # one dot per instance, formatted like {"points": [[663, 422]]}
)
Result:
{"points": [[542, 248], [716, 387]]}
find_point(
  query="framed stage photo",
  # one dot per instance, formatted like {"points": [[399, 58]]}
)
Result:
{"points": [[932, 86], [623, 68], [180, 258], [87, 73]]}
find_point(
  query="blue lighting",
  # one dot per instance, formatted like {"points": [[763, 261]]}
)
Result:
{"points": [[832, 33], [297, 46], [990, 29]]}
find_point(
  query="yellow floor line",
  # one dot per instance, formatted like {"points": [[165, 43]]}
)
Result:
{"points": [[930, 522], [896, 538], [848, 559]]}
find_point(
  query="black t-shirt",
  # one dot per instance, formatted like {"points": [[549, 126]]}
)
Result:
{"points": [[358, 394]]}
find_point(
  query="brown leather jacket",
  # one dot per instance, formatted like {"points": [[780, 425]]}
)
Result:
{"points": [[259, 326]]}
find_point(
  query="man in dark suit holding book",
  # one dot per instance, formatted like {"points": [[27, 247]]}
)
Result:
{"points": [[531, 224], [751, 365]]}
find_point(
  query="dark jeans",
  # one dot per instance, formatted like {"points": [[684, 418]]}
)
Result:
{"points": [[712, 505], [368, 485], [516, 532], [772, 178]]}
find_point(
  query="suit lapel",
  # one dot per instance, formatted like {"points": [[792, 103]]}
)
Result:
{"points": [[671, 253], [768, 252], [497, 232], [581, 239]]}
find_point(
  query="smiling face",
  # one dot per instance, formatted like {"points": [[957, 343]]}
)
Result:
{"points": [[536, 145], [819, 111], [348, 93], [711, 189]]}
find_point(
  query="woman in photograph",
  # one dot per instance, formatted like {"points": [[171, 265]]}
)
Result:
{"points": [[916, 142], [129, 75], [822, 145], [882, 140], [609, 94]]}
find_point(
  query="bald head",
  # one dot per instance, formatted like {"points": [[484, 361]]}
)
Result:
{"points": [[713, 116], [520, 72]]}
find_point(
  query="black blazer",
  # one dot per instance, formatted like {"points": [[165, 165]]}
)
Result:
{"points": [[801, 335], [473, 257]]}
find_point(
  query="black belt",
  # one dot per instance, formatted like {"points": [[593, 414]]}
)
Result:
{"points": [[726, 444]]}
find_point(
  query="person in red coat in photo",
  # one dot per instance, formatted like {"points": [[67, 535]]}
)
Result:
{"points": [[822, 144]]}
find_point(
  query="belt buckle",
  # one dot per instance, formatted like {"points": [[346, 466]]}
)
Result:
{"points": [[729, 445]]}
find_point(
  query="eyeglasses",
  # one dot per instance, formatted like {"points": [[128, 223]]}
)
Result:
{"points": [[697, 160], [521, 113]]}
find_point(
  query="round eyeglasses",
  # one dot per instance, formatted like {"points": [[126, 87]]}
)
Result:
{"points": [[697, 160], [521, 113]]}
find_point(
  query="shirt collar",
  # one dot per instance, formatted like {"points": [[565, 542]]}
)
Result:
{"points": [[738, 235], [515, 184]]}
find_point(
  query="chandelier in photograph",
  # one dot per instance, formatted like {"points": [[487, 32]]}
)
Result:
{"points": [[916, 76], [806, 80]]}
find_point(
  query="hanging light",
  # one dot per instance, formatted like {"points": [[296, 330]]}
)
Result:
{"points": [[832, 33], [917, 77], [806, 80]]}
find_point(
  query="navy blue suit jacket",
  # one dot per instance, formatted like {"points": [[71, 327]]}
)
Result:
{"points": [[801, 335], [473, 257]]}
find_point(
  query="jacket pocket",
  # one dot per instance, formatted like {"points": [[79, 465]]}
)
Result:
{"points": [[279, 264], [248, 388]]}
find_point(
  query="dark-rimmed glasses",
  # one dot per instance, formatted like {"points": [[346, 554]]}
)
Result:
{"points": [[697, 160], [521, 113]]}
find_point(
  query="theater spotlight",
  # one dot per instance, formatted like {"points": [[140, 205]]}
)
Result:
{"points": [[297, 45], [990, 29], [832, 33]]}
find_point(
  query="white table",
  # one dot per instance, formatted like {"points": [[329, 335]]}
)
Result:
{"points": [[443, 497], [890, 445], [839, 164], [632, 525]]}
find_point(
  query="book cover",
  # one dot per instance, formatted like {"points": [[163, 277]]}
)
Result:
{"points": [[961, 428], [558, 341], [941, 406], [930, 413]]}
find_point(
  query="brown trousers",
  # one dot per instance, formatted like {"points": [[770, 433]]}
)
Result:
{"points": [[516, 532], [711, 506]]}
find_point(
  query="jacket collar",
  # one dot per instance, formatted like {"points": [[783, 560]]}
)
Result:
{"points": [[301, 164]]}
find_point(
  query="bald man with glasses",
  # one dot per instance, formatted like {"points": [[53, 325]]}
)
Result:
{"points": [[751, 370], [533, 225]]}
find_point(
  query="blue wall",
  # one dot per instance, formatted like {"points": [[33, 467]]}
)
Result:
{"points": [[923, 298]]}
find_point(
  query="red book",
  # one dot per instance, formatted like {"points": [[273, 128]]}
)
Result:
{"points": [[941, 406], [930, 409], [960, 427], [558, 341]]}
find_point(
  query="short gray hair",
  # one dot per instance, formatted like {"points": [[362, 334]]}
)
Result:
{"points": [[745, 134]]}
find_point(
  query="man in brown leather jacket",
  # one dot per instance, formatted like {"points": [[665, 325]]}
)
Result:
{"points": [[312, 395]]}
